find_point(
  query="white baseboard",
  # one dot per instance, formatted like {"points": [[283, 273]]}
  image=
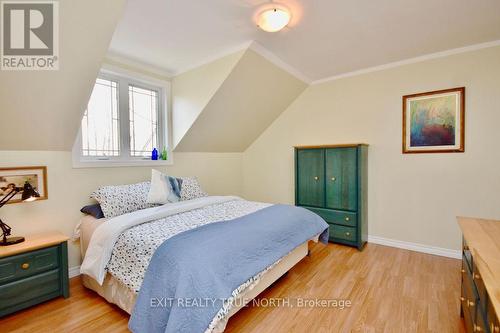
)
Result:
{"points": [[438, 251], [74, 271]]}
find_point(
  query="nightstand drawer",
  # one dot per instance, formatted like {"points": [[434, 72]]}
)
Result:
{"points": [[28, 264], [336, 216], [34, 289]]}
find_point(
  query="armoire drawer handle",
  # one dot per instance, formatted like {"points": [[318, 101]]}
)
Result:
{"points": [[462, 270], [316, 177], [462, 298], [470, 303], [477, 328], [494, 328], [25, 265], [477, 276], [348, 234], [347, 219], [334, 179]]}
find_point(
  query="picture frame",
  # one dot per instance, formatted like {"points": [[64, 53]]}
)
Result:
{"points": [[17, 176], [434, 122]]}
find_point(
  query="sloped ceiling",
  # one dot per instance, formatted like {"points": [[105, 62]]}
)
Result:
{"points": [[254, 94], [193, 90], [325, 37], [42, 110]]}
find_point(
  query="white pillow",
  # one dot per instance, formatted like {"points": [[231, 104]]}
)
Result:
{"points": [[122, 199], [164, 189], [191, 189]]}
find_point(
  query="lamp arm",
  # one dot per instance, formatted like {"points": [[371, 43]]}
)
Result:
{"points": [[9, 196], [5, 230]]}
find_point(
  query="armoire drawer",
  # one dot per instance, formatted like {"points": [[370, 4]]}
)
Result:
{"points": [[342, 232], [336, 216]]}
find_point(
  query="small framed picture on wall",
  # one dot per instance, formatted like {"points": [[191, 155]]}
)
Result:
{"points": [[14, 177], [434, 122]]}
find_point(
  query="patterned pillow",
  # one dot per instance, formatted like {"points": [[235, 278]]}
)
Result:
{"points": [[191, 189], [164, 189], [122, 199]]}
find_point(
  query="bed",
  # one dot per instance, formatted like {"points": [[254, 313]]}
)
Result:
{"points": [[118, 276]]}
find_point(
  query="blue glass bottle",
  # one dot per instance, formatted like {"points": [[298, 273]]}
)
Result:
{"points": [[154, 154]]}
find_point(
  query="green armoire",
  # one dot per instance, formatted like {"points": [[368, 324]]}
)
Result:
{"points": [[331, 181]]}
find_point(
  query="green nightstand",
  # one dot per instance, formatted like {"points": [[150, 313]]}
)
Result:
{"points": [[33, 272]]}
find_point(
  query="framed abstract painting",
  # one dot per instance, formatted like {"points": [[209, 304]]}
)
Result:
{"points": [[434, 122]]}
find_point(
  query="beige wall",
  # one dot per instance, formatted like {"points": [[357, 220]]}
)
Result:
{"points": [[69, 188], [252, 96], [412, 198], [191, 91], [47, 106]]}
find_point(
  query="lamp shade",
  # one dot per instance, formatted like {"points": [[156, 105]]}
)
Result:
{"points": [[29, 193]]}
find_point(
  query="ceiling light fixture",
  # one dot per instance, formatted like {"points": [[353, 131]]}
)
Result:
{"points": [[275, 19]]}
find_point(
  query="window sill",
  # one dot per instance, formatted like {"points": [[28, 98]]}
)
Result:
{"points": [[115, 164]]}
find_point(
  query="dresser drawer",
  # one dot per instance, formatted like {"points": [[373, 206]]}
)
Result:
{"points": [[28, 264], [480, 323], [493, 320], [468, 316], [342, 232], [336, 216], [19, 294], [467, 256], [481, 290]]}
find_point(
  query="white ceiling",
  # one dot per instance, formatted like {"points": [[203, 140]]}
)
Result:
{"points": [[325, 37]]}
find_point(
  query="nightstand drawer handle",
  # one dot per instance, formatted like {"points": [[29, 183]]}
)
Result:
{"points": [[334, 179], [477, 277], [348, 234], [316, 177], [25, 265], [347, 219]]}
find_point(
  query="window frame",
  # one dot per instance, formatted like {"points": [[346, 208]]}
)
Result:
{"points": [[124, 78]]}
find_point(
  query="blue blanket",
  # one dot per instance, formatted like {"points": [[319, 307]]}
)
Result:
{"points": [[192, 273]]}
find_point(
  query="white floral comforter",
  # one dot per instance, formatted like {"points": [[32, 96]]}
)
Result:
{"points": [[135, 247]]}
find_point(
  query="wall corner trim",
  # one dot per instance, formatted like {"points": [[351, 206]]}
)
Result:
{"points": [[438, 251], [271, 57]]}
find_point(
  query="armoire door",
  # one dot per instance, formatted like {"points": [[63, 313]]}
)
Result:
{"points": [[341, 178], [311, 177]]}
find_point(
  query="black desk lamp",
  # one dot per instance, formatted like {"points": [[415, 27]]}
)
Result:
{"points": [[28, 194]]}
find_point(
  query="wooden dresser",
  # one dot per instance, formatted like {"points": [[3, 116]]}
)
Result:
{"points": [[480, 298], [331, 181]]}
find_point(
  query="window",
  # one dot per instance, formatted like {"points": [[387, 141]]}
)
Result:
{"points": [[100, 123], [125, 119], [143, 107]]}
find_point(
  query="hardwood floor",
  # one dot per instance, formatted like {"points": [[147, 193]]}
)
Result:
{"points": [[391, 290]]}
